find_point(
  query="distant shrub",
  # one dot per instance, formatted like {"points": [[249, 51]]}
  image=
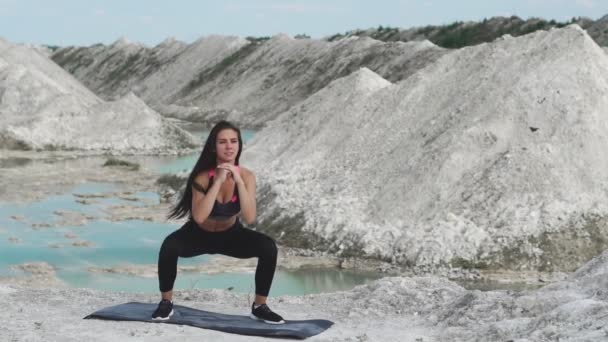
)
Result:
{"points": [[118, 162], [175, 182], [426, 30], [335, 37], [302, 36], [386, 29], [257, 39], [14, 162], [460, 34], [468, 264], [21, 145], [53, 48], [541, 25]]}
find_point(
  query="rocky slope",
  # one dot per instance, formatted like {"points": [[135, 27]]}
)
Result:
{"points": [[115, 70], [44, 107], [598, 30], [247, 81], [487, 158]]}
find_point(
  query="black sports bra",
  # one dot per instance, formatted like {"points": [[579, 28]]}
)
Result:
{"points": [[222, 211]]}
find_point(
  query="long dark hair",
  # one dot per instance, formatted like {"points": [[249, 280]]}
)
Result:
{"points": [[206, 161]]}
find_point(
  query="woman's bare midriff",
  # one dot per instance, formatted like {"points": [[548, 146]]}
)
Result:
{"points": [[212, 225]]}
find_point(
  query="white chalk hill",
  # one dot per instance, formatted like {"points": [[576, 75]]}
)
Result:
{"points": [[224, 77], [44, 107], [285, 71], [494, 154]]}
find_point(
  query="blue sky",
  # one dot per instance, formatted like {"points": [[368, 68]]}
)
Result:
{"points": [[86, 22]]}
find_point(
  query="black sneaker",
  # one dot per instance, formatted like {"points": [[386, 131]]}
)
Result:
{"points": [[263, 313], [164, 310]]}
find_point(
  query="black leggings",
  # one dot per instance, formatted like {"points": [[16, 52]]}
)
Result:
{"points": [[237, 241]]}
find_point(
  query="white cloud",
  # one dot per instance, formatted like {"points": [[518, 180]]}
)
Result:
{"points": [[302, 8], [582, 3], [146, 19], [586, 3], [99, 12], [283, 7], [546, 2]]}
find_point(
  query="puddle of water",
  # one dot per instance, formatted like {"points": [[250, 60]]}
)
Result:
{"points": [[284, 282]]}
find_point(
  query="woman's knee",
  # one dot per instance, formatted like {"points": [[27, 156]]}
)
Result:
{"points": [[268, 247], [170, 246]]}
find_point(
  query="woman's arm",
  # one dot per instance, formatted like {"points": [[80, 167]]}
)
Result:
{"points": [[202, 203], [246, 186]]}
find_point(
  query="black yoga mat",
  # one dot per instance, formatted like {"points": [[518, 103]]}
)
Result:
{"points": [[236, 324]]}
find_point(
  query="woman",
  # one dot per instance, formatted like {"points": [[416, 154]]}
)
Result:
{"points": [[218, 190]]}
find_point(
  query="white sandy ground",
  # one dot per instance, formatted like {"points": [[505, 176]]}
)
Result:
{"points": [[390, 309]]}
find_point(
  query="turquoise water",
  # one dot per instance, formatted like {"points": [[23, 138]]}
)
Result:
{"points": [[129, 242], [177, 164]]}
